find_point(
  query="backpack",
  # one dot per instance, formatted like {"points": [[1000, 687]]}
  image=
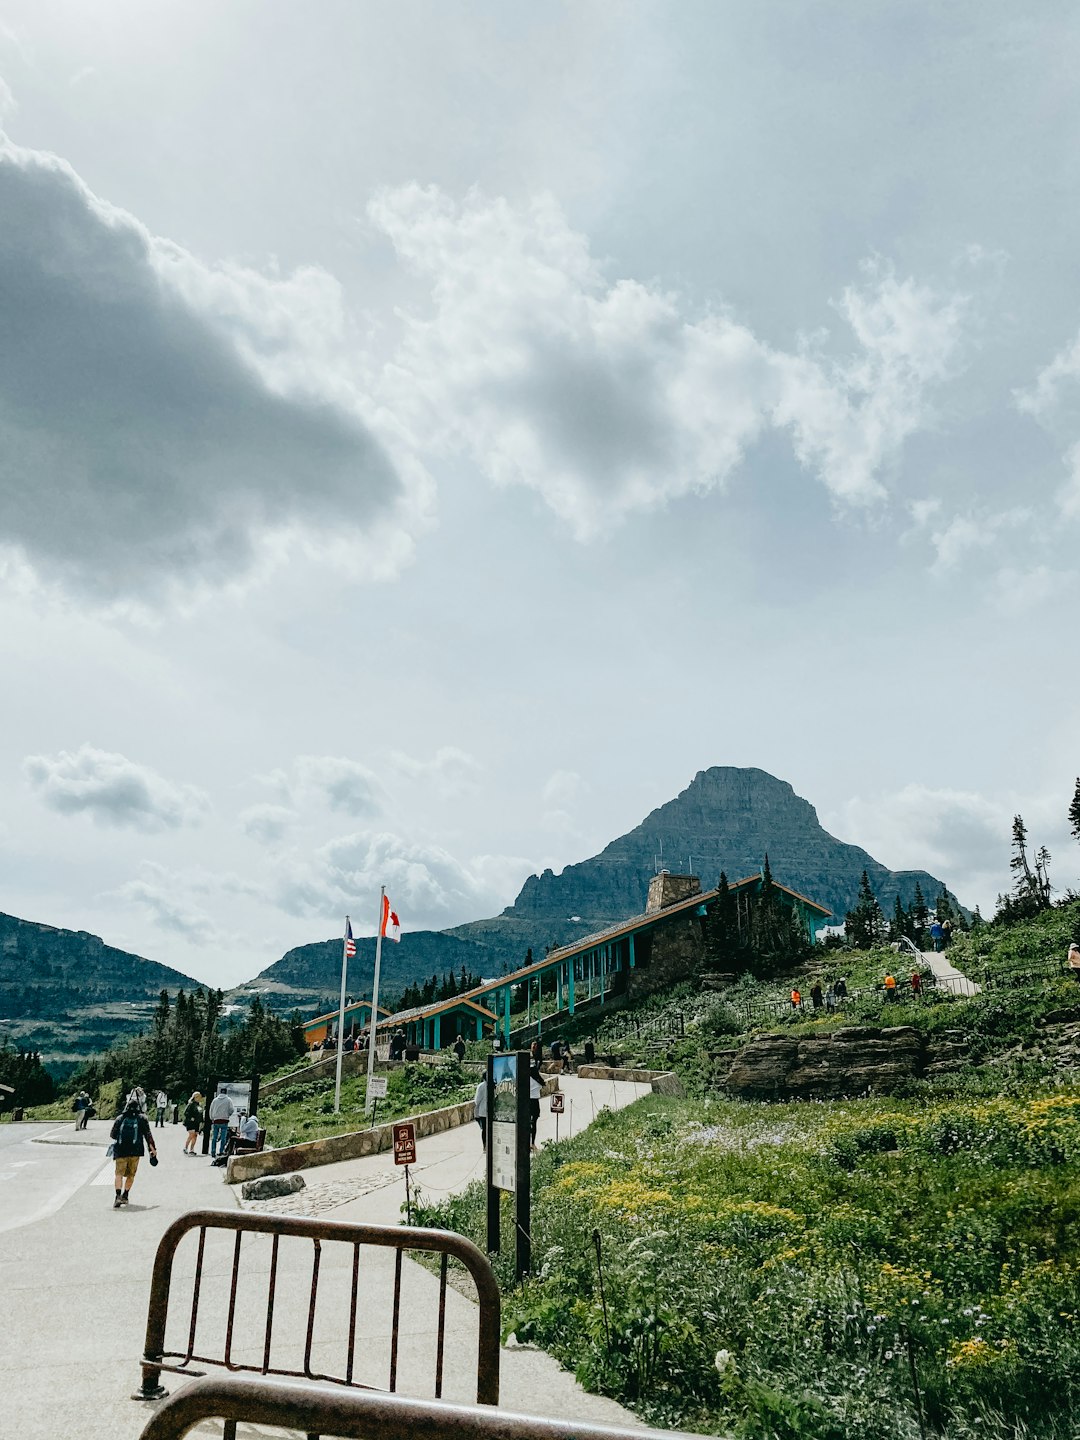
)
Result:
{"points": [[128, 1134]]}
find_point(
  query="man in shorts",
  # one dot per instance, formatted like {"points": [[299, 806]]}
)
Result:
{"points": [[129, 1134]]}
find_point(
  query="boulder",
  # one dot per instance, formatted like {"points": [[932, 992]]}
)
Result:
{"points": [[272, 1187]]}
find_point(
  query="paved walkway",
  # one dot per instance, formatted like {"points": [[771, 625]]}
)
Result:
{"points": [[75, 1283], [947, 975]]}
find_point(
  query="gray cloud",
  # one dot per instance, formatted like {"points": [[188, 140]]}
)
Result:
{"points": [[112, 790], [427, 885], [345, 785], [606, 398], [157, 895], [158, 419], [267, 823], [450, 772]]}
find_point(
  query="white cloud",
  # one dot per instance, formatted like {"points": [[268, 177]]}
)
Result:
{"points": [[1068, 497], [1043, 398], [450, 772], [344, 785], [428, 886], [158, 896], [188, 423], [1021, 590], [267, 824], [961, 836], [112, 790], [605, 398]]}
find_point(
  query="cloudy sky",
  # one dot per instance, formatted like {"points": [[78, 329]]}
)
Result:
{"points": [[431, 434]]}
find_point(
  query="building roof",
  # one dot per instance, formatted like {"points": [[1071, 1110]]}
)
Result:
{"points": [[333, 1014], [634, 923], [438, 1007]]}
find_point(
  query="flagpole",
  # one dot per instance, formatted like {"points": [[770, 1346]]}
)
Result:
{"points": [[341, 1017], [375, 997]]}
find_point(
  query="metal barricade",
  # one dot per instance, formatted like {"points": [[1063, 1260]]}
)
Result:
{"points": [[320, 1232], [318, 1411]]}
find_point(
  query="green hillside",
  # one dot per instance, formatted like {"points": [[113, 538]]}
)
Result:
{"points": [[69, 995]]}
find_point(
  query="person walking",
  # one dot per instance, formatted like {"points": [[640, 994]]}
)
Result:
{"points": [[840, 989], [916, 983], [1074, 961], [161, 1104], [192, 1122], [459, 1049], [946, 933], [130, 1135], [796, 999], [480, 1111], [536, 1086], [816, 995], [221, 1109], [890, 987], [79, 1105], [935, 935]]}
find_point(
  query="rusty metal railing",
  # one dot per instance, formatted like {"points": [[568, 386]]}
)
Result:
{"points": [[317, 1411], [320, 1232]]}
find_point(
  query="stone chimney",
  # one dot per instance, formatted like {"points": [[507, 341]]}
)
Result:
{"points": [[666, 889]]}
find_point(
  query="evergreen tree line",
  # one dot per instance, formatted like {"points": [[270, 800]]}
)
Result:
{"points": [[1032, 891], [438, 987], [23, 1071], [189, 1043], [760, 934], [865, 925]]}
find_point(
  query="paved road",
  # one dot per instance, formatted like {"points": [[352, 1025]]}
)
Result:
{"points": [[74, 1275], [37, 1179]]}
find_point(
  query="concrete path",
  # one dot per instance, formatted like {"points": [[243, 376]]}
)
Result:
{"points": [[75, 1278], [946, 974]]}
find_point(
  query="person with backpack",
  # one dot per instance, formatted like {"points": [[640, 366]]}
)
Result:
{"points": [[192, 1122], [130, 1134]]}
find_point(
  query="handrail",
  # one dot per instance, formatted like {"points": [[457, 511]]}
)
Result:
{"points": [[318, 1410], [399, 1238]]}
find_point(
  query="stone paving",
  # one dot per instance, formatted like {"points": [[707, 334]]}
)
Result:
{"points": [[319, 1196]]}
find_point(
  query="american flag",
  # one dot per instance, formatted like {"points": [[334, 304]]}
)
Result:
{"points": [[350, 946]]}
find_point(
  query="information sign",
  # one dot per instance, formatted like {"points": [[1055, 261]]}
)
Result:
{"points": [[558, 1103], [503, 1128], [404, 1143], [376, 1087]]}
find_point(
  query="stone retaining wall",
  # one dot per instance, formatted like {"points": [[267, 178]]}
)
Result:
{"points": [[351, 1146], [662, 1082]]}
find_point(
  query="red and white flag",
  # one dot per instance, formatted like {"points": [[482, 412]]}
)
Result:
{"points": [[391, 925], [350, 943]]}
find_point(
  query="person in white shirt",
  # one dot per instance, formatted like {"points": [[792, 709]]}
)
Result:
{"points": [[161, 1101], [249, 1130], [480, 1110]]}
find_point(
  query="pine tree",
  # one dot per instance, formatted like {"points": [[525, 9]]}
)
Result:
{"points": [[898, 926], [919, 914], [1074, 812]]}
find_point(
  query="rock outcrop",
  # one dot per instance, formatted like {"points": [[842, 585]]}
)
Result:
{"points": [[844, 1062]]}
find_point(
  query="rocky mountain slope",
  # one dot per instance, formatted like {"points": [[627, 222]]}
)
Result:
{"points": [[309, 976], [69, 995], [726, 819]]}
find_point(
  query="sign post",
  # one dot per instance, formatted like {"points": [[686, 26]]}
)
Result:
{"points": [[508, 1152], [557, 1104], [405, 1154], [376, 1091]]}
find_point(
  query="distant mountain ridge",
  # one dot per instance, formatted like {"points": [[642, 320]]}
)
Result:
{"points": [[309, 976], [69, 995], [726, 819]]}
